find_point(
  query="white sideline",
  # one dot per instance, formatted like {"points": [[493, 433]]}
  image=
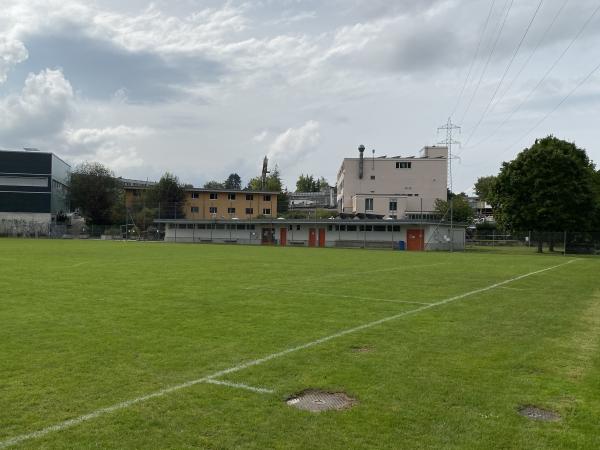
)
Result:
{"points": [[241, 386], [322, 294], [211, 378]]}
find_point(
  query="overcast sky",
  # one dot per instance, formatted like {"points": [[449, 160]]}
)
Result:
{"points": [[204, 88]]}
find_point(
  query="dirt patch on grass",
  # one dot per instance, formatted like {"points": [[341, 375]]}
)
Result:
{"points": [[316, 400], [534, 413], [361, 349]]}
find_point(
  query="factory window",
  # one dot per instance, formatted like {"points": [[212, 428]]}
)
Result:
{"points": [[241, 227], [249, 210], [329, 227], [403, 165], [290, 227], [230, 210], [219, 226], [396, 228], [393, 205], [267, 198], [212, 210], [297, 227], [351, 227], [251, 226], [195, 209], [195, 195], [372, 177], [368, 204], [201, 226], [267, 211], [249, 197], [379, 228], [213, 195], [230, 196]]}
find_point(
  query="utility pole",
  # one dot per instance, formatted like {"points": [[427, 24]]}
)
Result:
{"points": [[448, 142]]}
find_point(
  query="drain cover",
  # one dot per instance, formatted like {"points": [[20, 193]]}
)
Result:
{"points": [[535, 413], [316, 400]]}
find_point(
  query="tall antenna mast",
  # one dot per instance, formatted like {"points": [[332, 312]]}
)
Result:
{"points": [[448, 142]]}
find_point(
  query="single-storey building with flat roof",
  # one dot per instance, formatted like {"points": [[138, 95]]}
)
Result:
{"points": [[393, 234]]}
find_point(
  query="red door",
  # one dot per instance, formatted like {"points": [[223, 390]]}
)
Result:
{"points": [[283, 237], [415, 240], [321, 237], [312, 237]]}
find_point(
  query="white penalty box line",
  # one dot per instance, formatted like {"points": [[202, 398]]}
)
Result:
{"points": [[212, 379]]}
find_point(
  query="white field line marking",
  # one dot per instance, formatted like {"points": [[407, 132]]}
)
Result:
{"points": [[241, 386], [78, 264], [322, 294], [126, 404]]}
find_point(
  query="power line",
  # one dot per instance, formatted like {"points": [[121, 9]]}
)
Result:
{"points": [[558, 105], [487, 20], [488, 59], [532, 54], [546, 75], [509, 65]]}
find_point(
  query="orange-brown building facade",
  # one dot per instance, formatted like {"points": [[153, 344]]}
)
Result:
{"points": [[204, 204]]}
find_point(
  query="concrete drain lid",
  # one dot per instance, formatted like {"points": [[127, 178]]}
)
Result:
{"points": [[535, 413], [315, 400]]}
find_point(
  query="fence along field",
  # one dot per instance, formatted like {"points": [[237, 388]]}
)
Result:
{"points": [[137, 345]]}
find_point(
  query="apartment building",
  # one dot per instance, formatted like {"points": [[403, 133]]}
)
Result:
{"points": [[206, 204], [397, 187]]}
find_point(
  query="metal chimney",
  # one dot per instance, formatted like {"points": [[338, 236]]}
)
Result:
{"points": [[361, 150]]}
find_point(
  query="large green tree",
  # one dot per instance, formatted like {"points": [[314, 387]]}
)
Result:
{"points": [[461, 210], [547, 187], [168, 195], [96, 193], [484, 188], [309, 183], [233, 181]]}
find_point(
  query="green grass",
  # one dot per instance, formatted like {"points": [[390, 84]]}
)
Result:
{"points": [[86, 325]]}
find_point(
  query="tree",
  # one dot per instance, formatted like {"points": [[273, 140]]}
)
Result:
{"points": [[484, 188], [96, 193], [308, 183], [305, 183], [273, 182], [461, 210], [168, 195], [213, 185], [233, 181], [547, 187]]}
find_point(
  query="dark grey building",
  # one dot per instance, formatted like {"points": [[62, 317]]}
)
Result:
{"points": [[34, 186]]}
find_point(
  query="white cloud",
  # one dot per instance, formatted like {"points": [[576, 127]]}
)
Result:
{"points": [[40, 109], [12, 52], [260, 137], [295, 144], [112, 146]]}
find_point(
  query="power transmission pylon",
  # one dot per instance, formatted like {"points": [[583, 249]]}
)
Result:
{"points": [[448, 142]]}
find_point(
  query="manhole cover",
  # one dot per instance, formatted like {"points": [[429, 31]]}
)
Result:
{"points": [[315, 400], [535, 413]]}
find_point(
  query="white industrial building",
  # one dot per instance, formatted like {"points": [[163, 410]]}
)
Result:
{"points": [[396, 187]]}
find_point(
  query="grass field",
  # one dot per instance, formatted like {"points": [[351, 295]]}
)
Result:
{"points": [[120, 345]]}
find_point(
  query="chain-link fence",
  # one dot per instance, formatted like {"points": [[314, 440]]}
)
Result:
{"points": [[577, 242]]}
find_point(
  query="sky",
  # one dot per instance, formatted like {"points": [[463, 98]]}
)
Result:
{"points": [[203, 88]]}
